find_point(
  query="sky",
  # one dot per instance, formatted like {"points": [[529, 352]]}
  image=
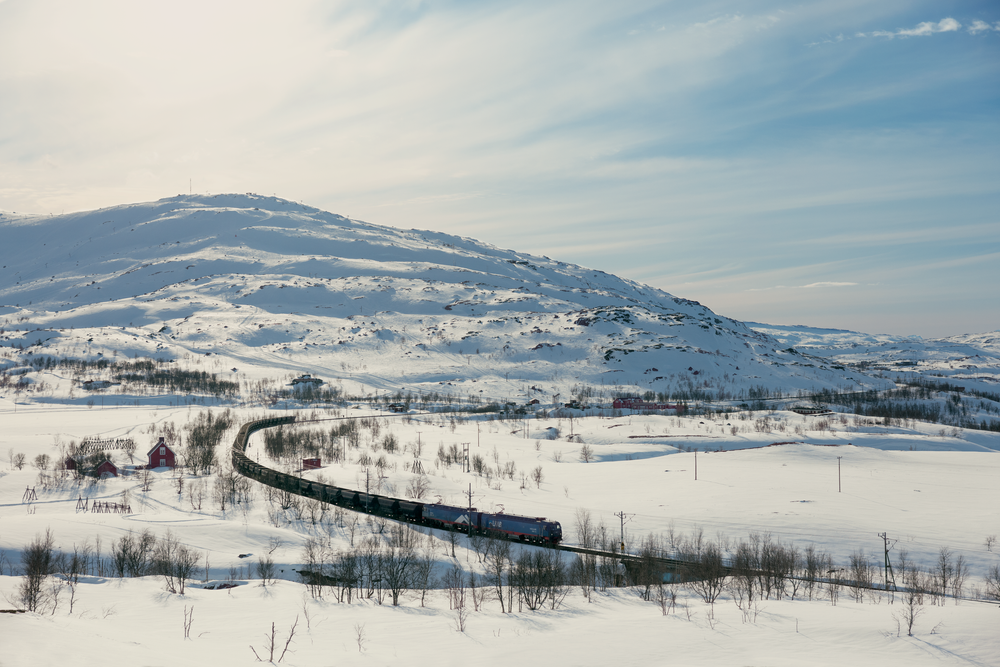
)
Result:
{"points": [[832, 164]]}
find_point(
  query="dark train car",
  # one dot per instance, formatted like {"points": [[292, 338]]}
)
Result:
{"points": [[361, 500], [385, 506], [332, 494], [524, 528], [446, 516], [411, 511]]}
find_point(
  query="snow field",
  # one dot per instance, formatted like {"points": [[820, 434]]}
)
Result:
{"points": [[926, 499]]}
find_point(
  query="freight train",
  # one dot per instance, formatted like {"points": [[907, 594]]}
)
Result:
{"points": [[537, 530]]}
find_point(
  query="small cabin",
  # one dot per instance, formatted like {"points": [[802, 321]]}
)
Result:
{"points": [[307, 379], [312, 464], [161, 456], [107, 469]]}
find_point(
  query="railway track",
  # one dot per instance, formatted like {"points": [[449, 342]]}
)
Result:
{"points": [[367, 503], [396, 509]]}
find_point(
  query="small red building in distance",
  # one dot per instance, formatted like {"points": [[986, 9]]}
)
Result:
{"points": [[636, 403], [107, 469], [161, 456], [311, 464]]}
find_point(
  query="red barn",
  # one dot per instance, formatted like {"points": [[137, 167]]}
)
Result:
{"points": [[161, 456], [107, 469]]}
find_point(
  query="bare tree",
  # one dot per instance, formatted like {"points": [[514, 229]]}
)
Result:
{"points": [[539, 577], [862, 575], [265, 569], [708, 573], [314, 559], [498, 562], [399, 560], [418, 486], [993, 583], [451, 539], [72, 566], [424, 569], [913, 598], [37, 562], [944, 572], [959, 575], [131, 553], [174, 561]]}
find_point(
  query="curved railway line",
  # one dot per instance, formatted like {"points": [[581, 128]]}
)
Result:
{"points": [[393, 508], [409, 511]]}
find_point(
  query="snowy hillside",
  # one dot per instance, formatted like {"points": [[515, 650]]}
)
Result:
{"points": [[275, 284]]}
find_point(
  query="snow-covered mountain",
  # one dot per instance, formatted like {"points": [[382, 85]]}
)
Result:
{"points": [[968, 360], [270, 283]]}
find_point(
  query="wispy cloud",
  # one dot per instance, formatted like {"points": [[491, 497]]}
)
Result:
{"points": [[982, 26], [921, 30], [809, 286]]}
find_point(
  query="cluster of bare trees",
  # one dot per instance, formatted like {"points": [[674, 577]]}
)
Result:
{"points": [[205, 432], [385, 566], [761, 568], [379, 566], [141, 554], [48, 573]]}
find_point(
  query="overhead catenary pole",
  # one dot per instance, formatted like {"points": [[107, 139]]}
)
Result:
{"points": [[624, 517], [470, 509], [888, 577], [838, 473]]}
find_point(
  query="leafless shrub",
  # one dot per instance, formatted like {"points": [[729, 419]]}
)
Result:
{"points": [[359, 636], [271, 644], [188, 620]]}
